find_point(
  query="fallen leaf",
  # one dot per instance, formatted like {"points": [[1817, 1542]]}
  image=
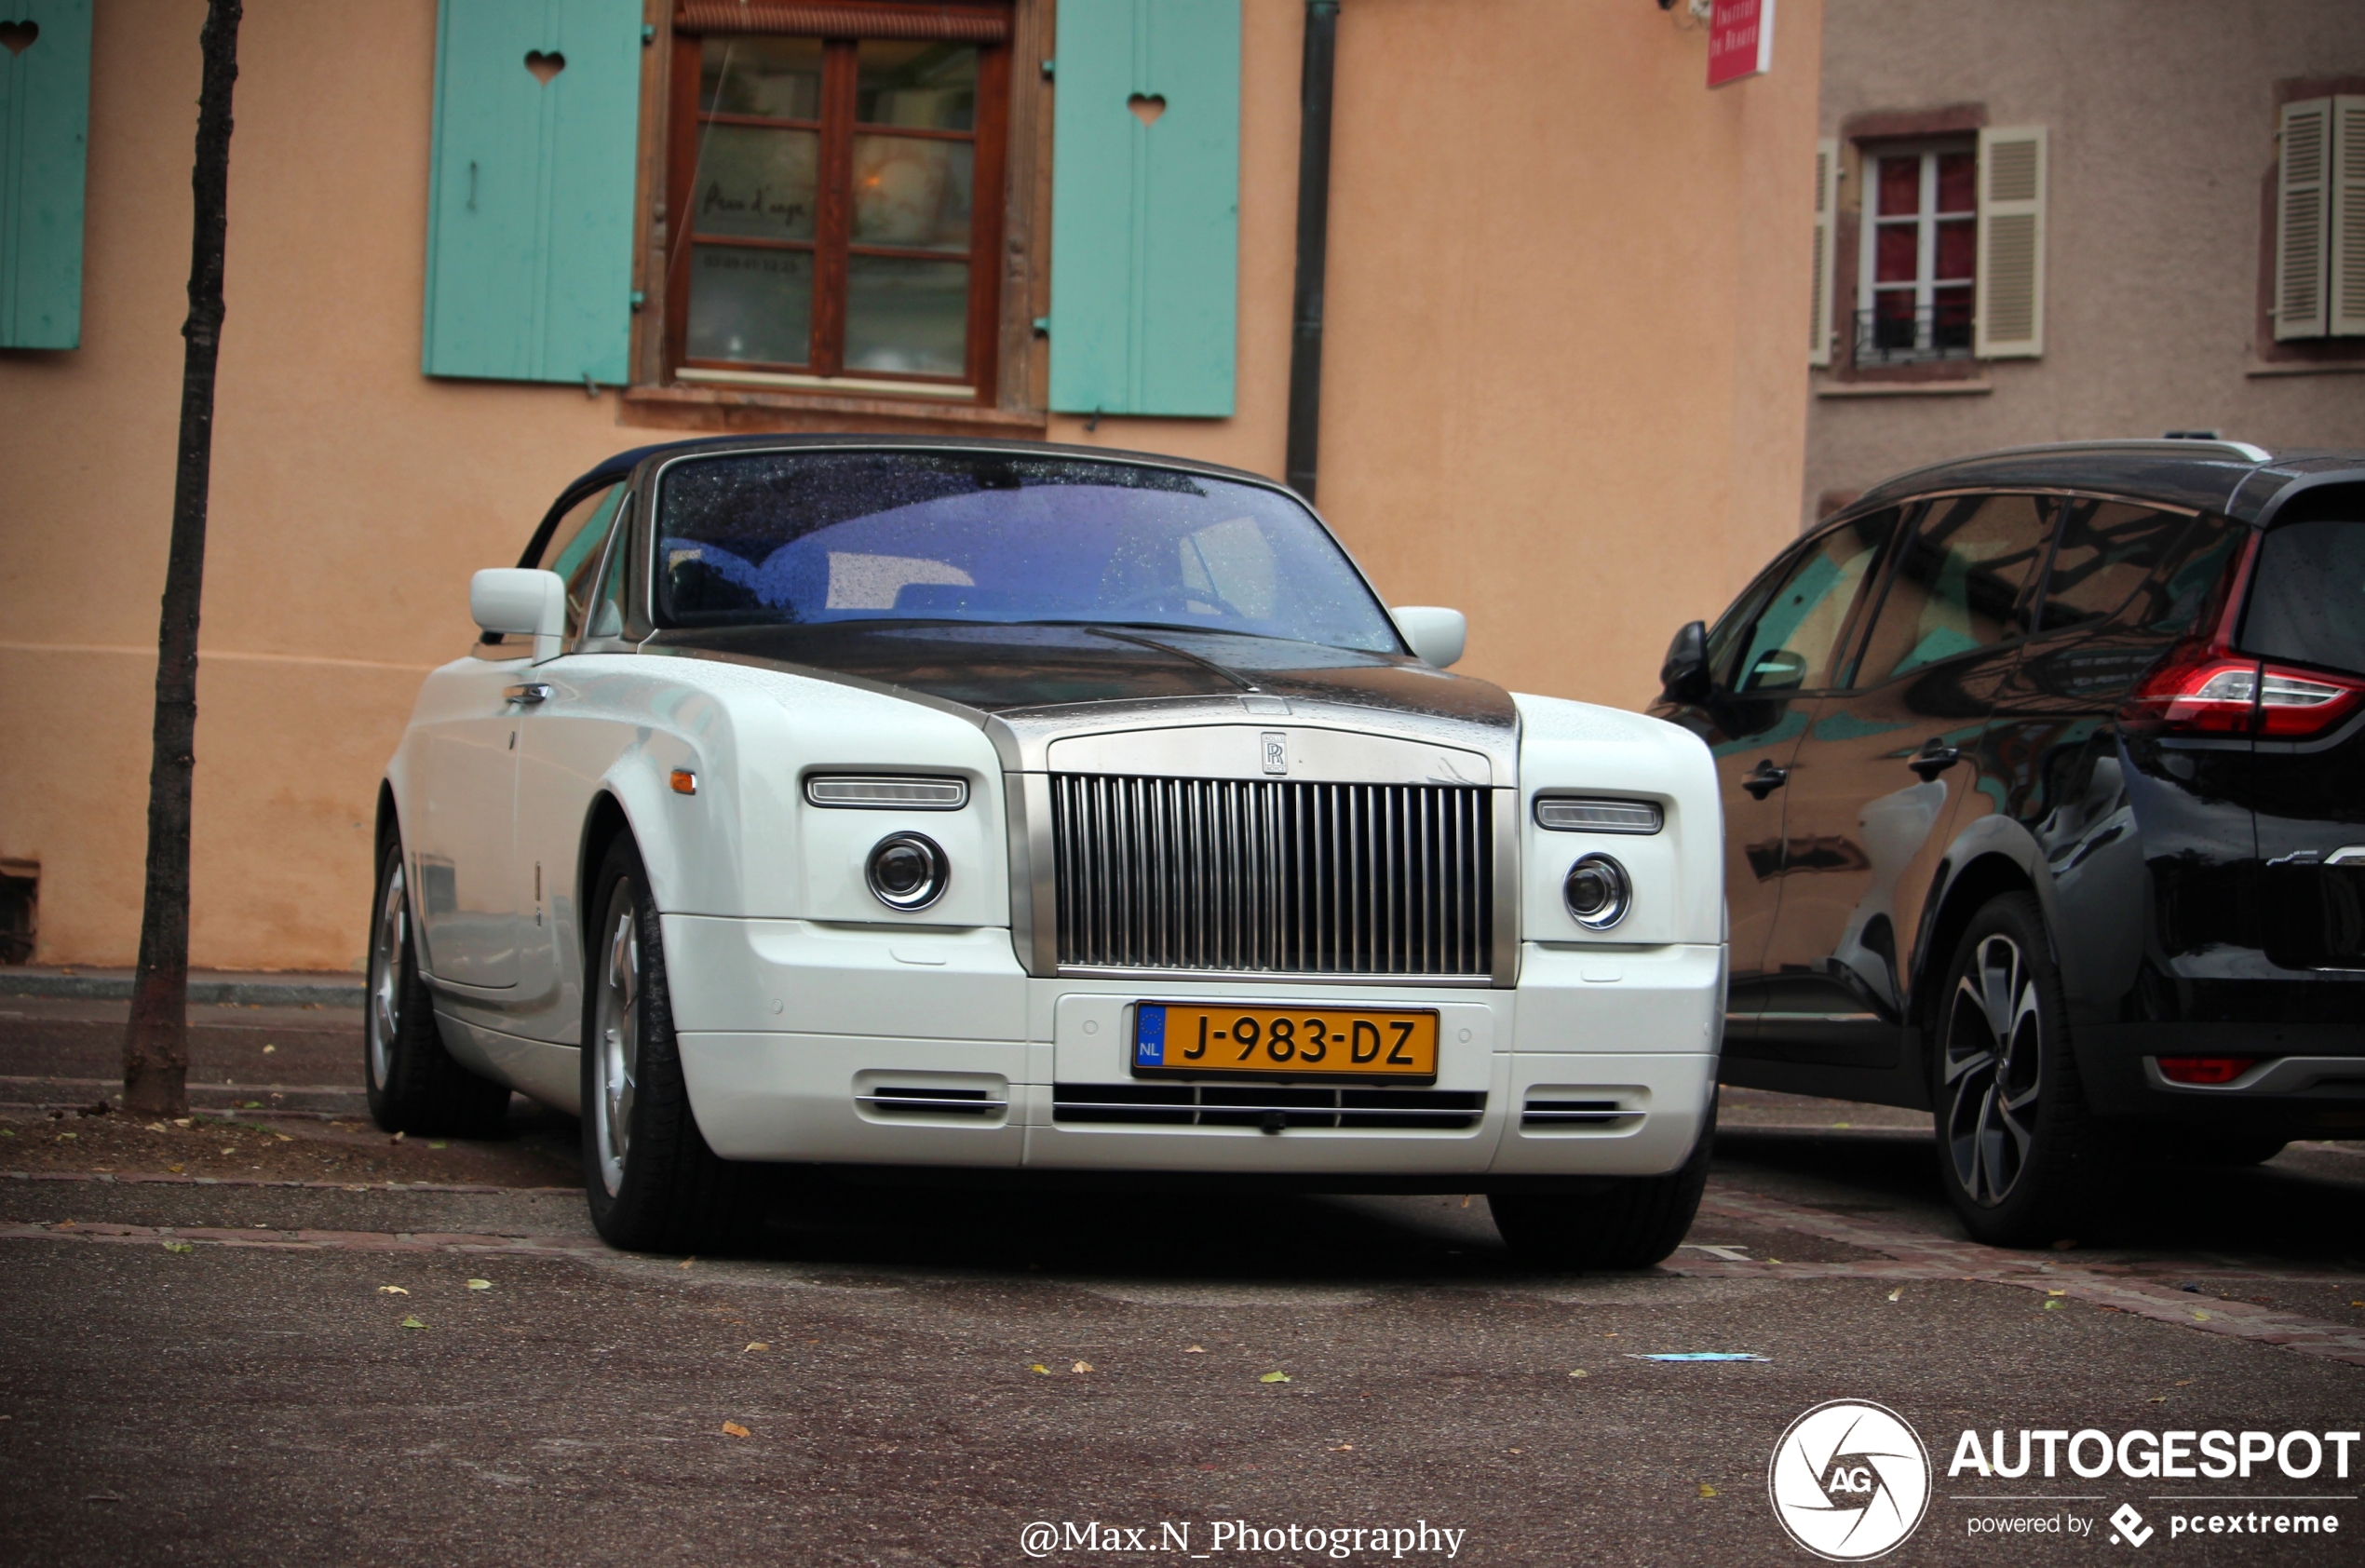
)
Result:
{"points": [[410, 1323], [1773, 1260], [68, 1224], [2053, 1305], [2200, 1316], [180, 1121], [268, 1049], [480, 1284], [2187, 1383], [179, 1247], [65, 1135], [733, 1429], [283, 1138], [176, 1169], [1895, 1294], [396, 1139], [1580, 1372], [156, 1127], [1510, 1450], [1707, 1490], [1275, 1377], [1466, 1200], [2157, 1400], [755, 1345], [686, 1262], [392, 1290], [1039, 1367], [1081, 1366], [1344, 1448], [438, 1145], [2057, 1293], [231, 1150], [1194, 1350], [250, 1104]]}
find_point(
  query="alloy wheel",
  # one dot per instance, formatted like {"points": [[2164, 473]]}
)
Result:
{"points": [[1994, 1066], [388, 939], [617, 1039]]}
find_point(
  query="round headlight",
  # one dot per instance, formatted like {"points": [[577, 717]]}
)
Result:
{"points": [[1597, 892], [907, 870]]}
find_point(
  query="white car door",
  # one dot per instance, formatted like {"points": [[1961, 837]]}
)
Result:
{"points": [[462, 831]]}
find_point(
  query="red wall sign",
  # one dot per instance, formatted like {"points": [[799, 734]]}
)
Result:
{"points": [[1741, 40]]}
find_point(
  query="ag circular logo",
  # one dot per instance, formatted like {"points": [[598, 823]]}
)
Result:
{"points": [[1850, 1480]]}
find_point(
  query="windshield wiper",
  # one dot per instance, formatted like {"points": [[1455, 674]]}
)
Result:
{"points": [[1203, 662]]}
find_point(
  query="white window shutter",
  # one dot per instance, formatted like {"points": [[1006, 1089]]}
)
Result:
{"points": [[1827, 187], [2300, 192], [2345, 308], [2010, 290]]}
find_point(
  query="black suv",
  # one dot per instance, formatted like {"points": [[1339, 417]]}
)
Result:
{"points": [[2044, 783]]}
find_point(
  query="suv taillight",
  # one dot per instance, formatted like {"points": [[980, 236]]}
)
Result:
{"points": [[2211, 690]]}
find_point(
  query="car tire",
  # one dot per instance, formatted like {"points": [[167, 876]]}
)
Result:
{"points": [[1623, 1222], [654, 1186], [414, 1085], [2020, 1154]]}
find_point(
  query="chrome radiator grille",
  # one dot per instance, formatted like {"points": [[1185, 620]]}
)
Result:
{"points": [[1273, 875]]}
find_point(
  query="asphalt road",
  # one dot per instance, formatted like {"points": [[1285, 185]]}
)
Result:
{"points": [[214, 1368]]}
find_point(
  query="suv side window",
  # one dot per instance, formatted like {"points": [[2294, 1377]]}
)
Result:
{"points": [[2107, 551], [1795, 640], [573, 549], [1961, 584]]}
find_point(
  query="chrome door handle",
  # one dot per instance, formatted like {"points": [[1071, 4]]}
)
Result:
{"points": [[1766, 779], [529, 694], [1934, 759]]}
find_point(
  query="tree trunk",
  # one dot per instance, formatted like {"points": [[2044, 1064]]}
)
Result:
{"points": [[155, 1044]]}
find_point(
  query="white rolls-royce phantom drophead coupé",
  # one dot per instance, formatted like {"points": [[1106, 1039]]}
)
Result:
{"points": [[892, 803]]}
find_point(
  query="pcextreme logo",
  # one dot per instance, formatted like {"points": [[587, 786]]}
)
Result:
{"points": [[1849, 1480]]}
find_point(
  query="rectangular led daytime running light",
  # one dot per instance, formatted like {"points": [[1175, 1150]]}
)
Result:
{"points": [[864, 792], [1565, 815]]}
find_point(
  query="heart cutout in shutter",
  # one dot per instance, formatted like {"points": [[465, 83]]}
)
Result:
{"points": [[1147, 106], [544, 66], [17, 37]]}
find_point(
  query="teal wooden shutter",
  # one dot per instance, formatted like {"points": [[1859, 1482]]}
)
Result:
{"points": [[1145, 217], [45, 130], [537, 113]]}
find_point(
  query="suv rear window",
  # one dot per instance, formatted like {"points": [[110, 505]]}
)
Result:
{"points": [[2307, 605]]}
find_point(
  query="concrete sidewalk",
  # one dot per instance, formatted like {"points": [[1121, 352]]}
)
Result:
{"points": [[266, 989]]}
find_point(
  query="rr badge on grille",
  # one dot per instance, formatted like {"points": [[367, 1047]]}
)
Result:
{"points": [[1276, 751]]}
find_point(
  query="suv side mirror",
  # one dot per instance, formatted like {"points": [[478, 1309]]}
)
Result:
{"points": [[1683, 675], [517, 602], [1436, 636]]}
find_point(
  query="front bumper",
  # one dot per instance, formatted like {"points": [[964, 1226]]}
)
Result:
{"points": [[841, 1044]]}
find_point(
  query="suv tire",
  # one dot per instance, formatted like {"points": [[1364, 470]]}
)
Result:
{"points": [[2018, 1151]]}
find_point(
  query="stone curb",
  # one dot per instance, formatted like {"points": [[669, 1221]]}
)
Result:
{"points": [[253, 991]]}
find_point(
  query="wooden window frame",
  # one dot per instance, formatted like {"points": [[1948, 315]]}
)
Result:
{"points": [[1925, 219], [1006, 372], [1861, 137]]}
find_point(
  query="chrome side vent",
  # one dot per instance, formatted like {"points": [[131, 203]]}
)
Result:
{"points": [[921, 1100], [1273, 876], [1273, 1109], [1557, 1108]]}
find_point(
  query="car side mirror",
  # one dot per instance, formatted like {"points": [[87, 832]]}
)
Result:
{"points": [[1437, 635], [1684, 673], [516, 601]]}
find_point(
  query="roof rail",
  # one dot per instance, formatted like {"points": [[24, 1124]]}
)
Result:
{"points": [[2163, 446]]}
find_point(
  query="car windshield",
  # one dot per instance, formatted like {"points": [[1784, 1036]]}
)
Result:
{"points": [[751, 538]]}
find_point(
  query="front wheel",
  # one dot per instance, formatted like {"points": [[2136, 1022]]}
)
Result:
{"points": [[414, 1085], [654, 1184], [1633, 1222], [2018, 1151]]}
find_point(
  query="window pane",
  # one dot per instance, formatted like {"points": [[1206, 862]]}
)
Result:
{"points": [[799, 538], [907, 316], [756, 181], [927, 86], [1957, 242], [1898, 253], [1796, 640], [749, 304], [1958, 586], [2309, 604], [2107, 551], [1951, 318], [1900, 186], [1957, 182], [780, 77], [909, 191]]}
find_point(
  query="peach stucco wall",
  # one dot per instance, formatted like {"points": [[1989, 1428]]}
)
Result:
{"points": [[1567, 291]]}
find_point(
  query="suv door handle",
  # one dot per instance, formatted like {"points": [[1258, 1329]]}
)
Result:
{"points": [[529, 694], [1934, 759], [1767, 779]]}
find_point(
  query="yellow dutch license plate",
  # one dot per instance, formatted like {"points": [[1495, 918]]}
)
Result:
{"points": [[1297, 1042]]}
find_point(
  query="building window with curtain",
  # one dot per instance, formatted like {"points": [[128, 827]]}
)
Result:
{"points": [[835, 182], [1920, 240]]}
